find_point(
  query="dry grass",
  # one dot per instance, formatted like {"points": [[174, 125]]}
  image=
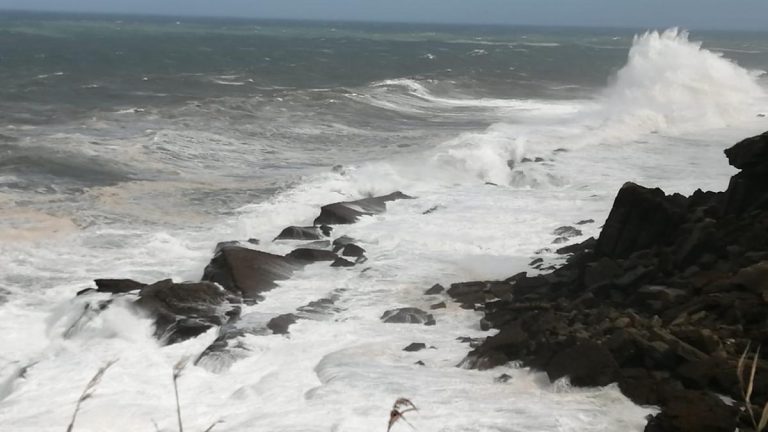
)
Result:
{"points": [[747, 385], [88, 391], [400, 407]]}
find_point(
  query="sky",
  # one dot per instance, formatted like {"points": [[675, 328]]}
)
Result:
{"points": [[691, 14]]}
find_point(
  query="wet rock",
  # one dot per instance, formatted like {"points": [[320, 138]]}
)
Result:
{"points": [[686, 411], [186, 310], [503, 378], [312, 255], [408, 315], [414, 347], [350, 211], [247, 272], [567, 232], [300, 233], [342, 241], [341, 262], [281, 323], [434, 290], [352, 250], [420, 363], [440, 305], [753, 278], [536, 262], [560, 240], [585, 221], [587, 364], [640, 218], [118, 286]]}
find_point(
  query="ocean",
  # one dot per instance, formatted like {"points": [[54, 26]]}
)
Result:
{"points": [[130, 146]]}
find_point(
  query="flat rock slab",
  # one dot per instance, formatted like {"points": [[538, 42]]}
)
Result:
{"points": [[118, 286], [248, 272], [349, 212]]}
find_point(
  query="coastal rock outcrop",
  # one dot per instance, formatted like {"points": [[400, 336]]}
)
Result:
{"points": [[350, 211], [664, 302]]}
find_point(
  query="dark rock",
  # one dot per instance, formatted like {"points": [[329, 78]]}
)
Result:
{"points": [[503, 378], [588, 364], [312, 255], [326, 230], [749, 154], [753, 278], [436, 289], [416, 346], [536, 261], [81, 292], [342, 241], [586, 245], [299, 233], [349, 212], [686, 411], [567, 232], [281, 323], [560, 240], [118, 286], [420, 363], [341, 262], [186, 310], [352, 250], [408, 315], [430, 210], [248, 272], [640, 218], [585, 221], [600, 272], [440, 305]]}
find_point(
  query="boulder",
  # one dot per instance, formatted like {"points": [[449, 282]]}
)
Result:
{"points": [[687, 410], [281, 323], [436, 289], [247, 272], [342, 241], [350, 211], [640, 218], [300, 233], [341, 262], [587, 364], [352, 250], [185, 310], [118, 286], [312, 255], [567, 232], [408, 315], [416, 346]]}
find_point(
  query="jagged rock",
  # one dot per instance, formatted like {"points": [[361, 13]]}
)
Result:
{"points": [[300, 233], [186, 310], [341, 262], [281, 323], [416, 346], [342, 241], [436, 289], [248, 272], [408, 315], [350, 211], [352, 250], [640, 218], [312, 255], [686, 411], [118, 286]]}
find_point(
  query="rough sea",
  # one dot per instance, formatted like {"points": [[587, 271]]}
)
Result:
{"points": [[131, 146]]}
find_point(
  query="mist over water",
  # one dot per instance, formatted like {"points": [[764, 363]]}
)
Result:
{"points": [[129, 148]]}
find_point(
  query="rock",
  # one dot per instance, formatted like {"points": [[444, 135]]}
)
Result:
{"points": [[341, 262], [420, 363], [749, 154], [408, 315], [560, 240], [586, 245], [342, 241], [436, 289], [588, 364], [585, 221], [503, 378], [416, 346], [311, 255], [350, 211], [536, 262], [281, 323], [300, 233], [753, 278], [567, 232], [118, 286], [186, 310], [600, 272], [686, 411], [440, 305], [640, 219], [352, 250], [248, 272]]}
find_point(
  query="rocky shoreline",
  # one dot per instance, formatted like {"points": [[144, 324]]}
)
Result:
{"points": [[664, 302]]}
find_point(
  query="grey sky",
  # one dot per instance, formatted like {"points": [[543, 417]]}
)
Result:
{"points": [[740, 14]]}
